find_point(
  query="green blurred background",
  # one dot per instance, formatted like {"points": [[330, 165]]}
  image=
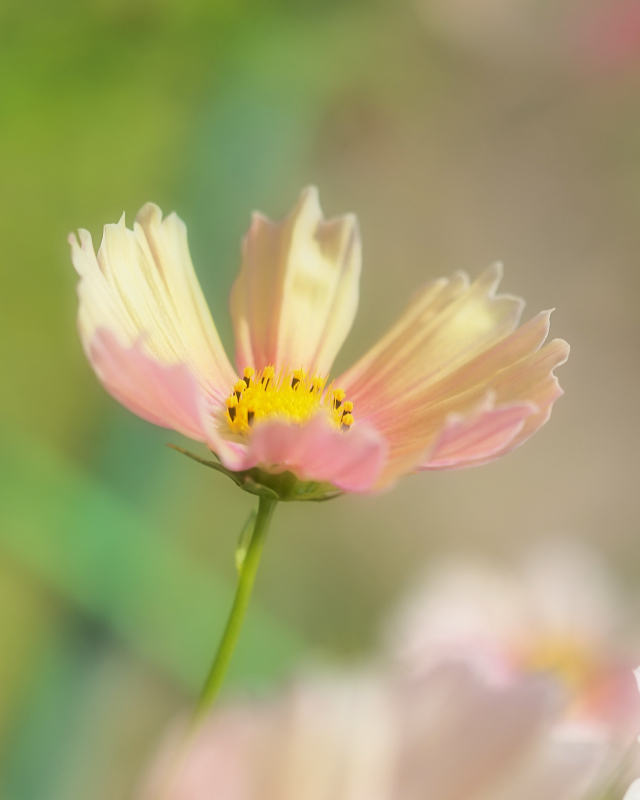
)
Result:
{"points": [[460, 133]]}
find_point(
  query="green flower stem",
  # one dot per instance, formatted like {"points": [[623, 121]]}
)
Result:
{"points": [[246, 579]]}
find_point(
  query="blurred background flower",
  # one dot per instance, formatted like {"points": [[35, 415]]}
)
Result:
{"points": [[559, 613], [452, 734], [446, 728], [117, 563]]}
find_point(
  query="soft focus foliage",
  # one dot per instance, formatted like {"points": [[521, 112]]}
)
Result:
{"points": [[117, 555]]}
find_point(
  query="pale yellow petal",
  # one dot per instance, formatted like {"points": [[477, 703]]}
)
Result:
{"points": [[464, 388], [515, 370], [142, 285], [295, 299], [448, 324]]}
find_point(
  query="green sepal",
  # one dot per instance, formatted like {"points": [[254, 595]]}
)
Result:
{"points": [[283, 486]]}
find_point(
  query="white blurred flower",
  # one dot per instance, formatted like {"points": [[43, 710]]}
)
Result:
{"points": [[453, 734], [633, 792], [559, 614]]}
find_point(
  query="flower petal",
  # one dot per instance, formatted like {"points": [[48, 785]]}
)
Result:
{"points": [[516, 372], [461, 609], [534, 378], [633, 792], [447, 324], [335, 738], [570, 763], [167, 395], [478, 437], [295, 299], [215, 763], [142, 286], [465, 731], [350, 460]]}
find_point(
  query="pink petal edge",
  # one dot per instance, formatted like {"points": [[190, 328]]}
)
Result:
{"points": [[351, 460], [481, 435], [166, 395]]}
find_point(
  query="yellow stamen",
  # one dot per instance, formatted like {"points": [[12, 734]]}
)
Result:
{"points": [[291, 395], [239, 387], [296, 377], [317, 385], [231, 404], [347, 421]]}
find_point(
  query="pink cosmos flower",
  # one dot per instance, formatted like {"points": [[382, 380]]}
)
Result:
{"points": [[454, 383], [559, 614]]}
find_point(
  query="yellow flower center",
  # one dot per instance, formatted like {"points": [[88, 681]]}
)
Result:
{"points": [[292, 395], [570, 659]]}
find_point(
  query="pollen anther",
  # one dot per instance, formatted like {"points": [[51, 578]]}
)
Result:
{"points": [[338, 397], [296, 377], [347, 421], [267, 375], [231, 403], [317, 385]]}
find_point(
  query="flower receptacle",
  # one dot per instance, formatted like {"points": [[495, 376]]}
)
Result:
{"points": [[283, 486]]}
